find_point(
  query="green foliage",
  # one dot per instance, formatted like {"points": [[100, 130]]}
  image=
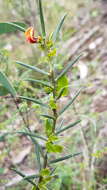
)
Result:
{"points": [[68, 127], [58, 28], [52, 103], [45, 172], [48, 127], [42, 18], [34, 188], [69, 66], [7, 85], [32, 135], [56, 87], [33, 100], [53, 148], [44, 83], [23, 175], [64, 158], [7, 27], [32, 68], [69, 103], [62, 86]]}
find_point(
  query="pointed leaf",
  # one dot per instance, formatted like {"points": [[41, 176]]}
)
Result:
{"points": [[48, 127], [69, 103], [62, 82], [32, 68], [33, 100], [37, 152], [38, 149], [32, 135], [69, 66], [7, 27], [6, 84], [48, 116], [64, 158], [53, 148], [58, 28], [67, 127], [39, 82], [23, 175], [61, 93], [31, 177], [53, 170], [42, 18]]}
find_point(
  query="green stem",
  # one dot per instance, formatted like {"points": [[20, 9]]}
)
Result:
{"points": [[54, 97]]}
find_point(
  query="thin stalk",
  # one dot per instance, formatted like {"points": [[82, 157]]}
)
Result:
{"points": [[45, 163], [54, 98], [20, 113]]}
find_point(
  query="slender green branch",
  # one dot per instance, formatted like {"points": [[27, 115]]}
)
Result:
{"points": [[54, 98]]}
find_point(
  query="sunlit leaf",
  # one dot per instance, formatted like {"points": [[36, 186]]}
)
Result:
{"points": [[62, 83], [53, 148], [48, 127], [34, 188], [52, 103], [45, 172]]}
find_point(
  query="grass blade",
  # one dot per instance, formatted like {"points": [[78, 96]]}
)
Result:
{"points": [[69, 66], [42, 18], [70, 102], [7, 27], [37, 152], [39, 82], [32, 68], [68, 127], [64, 158], [61, 92], [31, 135], [58, 28], [48, 116], [31, 177], [33, 100], [6, 84], [23, 175]]}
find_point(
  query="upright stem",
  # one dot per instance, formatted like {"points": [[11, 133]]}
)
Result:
{"points": [[54, 97]]}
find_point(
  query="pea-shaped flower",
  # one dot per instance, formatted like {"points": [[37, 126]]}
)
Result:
{"points": [[29, 33]]}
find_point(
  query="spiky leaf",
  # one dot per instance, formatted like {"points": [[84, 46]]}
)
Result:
{"points": [[6, 27], [6, 84]]}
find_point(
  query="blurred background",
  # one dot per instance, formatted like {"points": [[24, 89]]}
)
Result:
{"points": [[85, 30]]}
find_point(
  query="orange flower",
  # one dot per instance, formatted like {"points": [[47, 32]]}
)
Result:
{"points": [[29, 33]]}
